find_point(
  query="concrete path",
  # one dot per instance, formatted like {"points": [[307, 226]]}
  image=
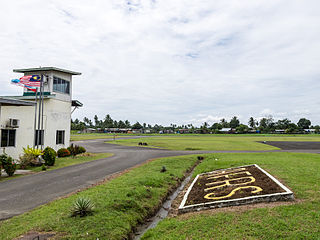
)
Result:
{"points": [[23, 194]]}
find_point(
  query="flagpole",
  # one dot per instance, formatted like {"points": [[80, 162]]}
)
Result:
{"points": [[39, 115], [35, 119], [42, 84]]}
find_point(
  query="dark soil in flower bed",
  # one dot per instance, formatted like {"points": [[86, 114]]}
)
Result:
{"points": [[239, 183]]}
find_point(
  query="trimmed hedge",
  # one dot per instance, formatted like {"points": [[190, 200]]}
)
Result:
{"points": [[49, 156]]}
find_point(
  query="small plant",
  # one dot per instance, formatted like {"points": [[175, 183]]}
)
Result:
{"points": [[163, 169], [82, 207], [30, 157], [74, 150], [26, 160], [8, 164], [81, 150], [63, 152], [33, 151], [49, 156], [44, 168]]}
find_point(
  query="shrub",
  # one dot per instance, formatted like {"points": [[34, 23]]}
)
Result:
{"points": [[82, 150], [26, 160], [82, 207], [73, 149], [8, 164], [43, 168], [49, 156], [30, 157], [33, 151], [2, 156], [63, 152]]}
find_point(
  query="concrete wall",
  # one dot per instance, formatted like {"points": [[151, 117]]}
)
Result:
{"points": [[57, 116], [24, 133]]}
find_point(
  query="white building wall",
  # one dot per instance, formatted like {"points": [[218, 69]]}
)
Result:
{"points": [[24, 133], [57, 116]]}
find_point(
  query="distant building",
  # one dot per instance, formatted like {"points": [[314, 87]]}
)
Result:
{"points": [[17, 113], [184, 130], [310, 130], [227, 130]]}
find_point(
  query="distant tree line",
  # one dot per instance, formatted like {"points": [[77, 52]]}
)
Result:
{"points": [[264, 125]]}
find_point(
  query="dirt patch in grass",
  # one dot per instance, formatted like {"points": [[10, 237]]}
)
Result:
{"points": [[36, 236]]}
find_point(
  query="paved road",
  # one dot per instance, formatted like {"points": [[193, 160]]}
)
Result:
{"points": [[23, 194]]}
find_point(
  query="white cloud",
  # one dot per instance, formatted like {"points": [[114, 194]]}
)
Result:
{"points": [[169, 61]]}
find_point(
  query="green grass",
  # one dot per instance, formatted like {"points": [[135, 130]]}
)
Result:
{"points": [[216, 142], [89, 136], [68, 161], [120, 204], [298, 171], [63, 162]]}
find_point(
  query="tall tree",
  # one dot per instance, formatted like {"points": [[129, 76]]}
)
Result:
{"points": [[127, 123], [304, 123], [283, 124], [252, 122], [137, 125], [121, 124], [224, 123], [234, 122], [97, 123], [266, 124], [108, 122]]}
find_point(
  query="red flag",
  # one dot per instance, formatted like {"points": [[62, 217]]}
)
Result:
{"points": [[31, 80]]}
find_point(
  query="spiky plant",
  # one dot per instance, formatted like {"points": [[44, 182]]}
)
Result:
{"points": [[82, 207]]}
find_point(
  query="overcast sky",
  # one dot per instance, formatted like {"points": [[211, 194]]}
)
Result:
{"points": [[172, 61]]}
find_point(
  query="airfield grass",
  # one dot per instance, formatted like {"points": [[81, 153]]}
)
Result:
{"points": [[215, 142], [301, 220], [63, 162], [120, 204], [78, 159], [89, 136]]}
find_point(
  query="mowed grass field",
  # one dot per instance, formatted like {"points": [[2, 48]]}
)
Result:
{"points": [[215, 142], [88, 136], [300, 220]]}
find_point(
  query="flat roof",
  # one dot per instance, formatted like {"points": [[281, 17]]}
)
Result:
{"points": [[14, 102], [39, 69]]}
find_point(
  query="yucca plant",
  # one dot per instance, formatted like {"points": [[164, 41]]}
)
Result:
{"points": [[82, 207]]}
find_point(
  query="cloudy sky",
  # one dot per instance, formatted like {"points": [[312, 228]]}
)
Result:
{"points": [[172, 61]]}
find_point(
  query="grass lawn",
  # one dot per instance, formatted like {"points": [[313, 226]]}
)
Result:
{"points": [[64, 162], [298, 171], [120, 204], [216, 142], [88, 136]]}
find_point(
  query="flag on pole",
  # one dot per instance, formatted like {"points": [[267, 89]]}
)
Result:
{"points": [[31, 80], [28, 86]]}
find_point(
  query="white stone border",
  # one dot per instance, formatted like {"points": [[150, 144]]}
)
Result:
{"points": [[287, 195]]}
